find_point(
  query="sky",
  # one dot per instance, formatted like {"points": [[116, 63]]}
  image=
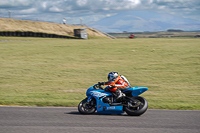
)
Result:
{"points": [[93, 10]]}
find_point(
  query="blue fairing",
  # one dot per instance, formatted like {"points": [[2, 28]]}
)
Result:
{"points": [[101, 106], [97, 93], [136, 91]]}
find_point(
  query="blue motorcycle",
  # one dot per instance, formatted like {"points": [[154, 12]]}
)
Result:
{"points": [[103, 101]]}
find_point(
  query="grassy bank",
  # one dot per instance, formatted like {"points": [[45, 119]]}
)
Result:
{"points": [[44, 27], [57, 72]]}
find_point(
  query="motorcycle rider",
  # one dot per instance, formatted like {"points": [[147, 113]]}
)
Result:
{"points": [[116, 83]]}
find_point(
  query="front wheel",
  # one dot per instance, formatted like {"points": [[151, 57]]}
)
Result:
{"points": [[136, 106], [86, 108]]}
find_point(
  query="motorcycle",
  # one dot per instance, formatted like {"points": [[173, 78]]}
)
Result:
{"points": [[102, 101]]}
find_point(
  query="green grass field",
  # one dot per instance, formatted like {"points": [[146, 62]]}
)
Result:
{"points": [[57, 72]]}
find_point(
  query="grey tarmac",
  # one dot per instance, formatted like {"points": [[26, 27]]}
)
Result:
{"points": [[68, 120]]}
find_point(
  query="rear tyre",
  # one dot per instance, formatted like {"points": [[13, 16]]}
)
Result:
{"points": [[86, 108], [137, 106]]}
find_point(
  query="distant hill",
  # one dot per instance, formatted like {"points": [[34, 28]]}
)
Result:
{"points": [[139, 21], [45, 27]]}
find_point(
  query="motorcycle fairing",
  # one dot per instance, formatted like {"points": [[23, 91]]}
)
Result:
{"points": [[107, 109], [136, 91], [101, 106], [97, 93]]}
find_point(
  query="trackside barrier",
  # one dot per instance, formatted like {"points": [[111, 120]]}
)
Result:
{"points": [[33, 34]]}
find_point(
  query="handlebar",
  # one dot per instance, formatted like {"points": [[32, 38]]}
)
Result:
{"points": [[96, 86]]}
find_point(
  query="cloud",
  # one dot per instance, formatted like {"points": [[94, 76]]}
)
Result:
{"points": [[15, 3], [96, 5], [28, 11], [55, 9], [93, 10], [81, 2]]}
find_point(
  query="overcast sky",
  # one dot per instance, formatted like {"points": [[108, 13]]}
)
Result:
{"points": [[93, 10]]}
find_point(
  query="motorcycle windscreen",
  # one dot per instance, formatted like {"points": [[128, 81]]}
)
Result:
{"points": [[136, 91]]}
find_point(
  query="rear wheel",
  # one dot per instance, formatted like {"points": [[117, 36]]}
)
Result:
{"points": [[87, 108], [136, 106]]}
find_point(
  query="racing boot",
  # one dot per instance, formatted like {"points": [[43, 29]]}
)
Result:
{"points": [[120, 94]]}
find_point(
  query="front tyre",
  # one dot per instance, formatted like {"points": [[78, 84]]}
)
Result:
{"points": [[136, 106], [86, 108]]}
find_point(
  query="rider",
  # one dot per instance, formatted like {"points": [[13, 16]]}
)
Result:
{"points": [[116, 83]]}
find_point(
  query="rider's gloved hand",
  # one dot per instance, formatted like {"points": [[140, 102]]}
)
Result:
{"points": [[101, 83]]}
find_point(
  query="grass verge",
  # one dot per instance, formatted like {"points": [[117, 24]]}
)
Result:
{"points": [[57, 72]]}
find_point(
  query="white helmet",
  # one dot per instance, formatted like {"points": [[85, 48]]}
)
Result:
{"points": [[112, 75]]}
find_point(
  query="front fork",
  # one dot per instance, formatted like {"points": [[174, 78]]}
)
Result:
{"points": [[89, 99], [90, 102]]}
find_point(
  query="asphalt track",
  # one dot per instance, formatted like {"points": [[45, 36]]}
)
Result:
{"points": [[68, 120]]}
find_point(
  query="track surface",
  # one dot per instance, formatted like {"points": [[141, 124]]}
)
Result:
{"points": [[68, 120]]}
